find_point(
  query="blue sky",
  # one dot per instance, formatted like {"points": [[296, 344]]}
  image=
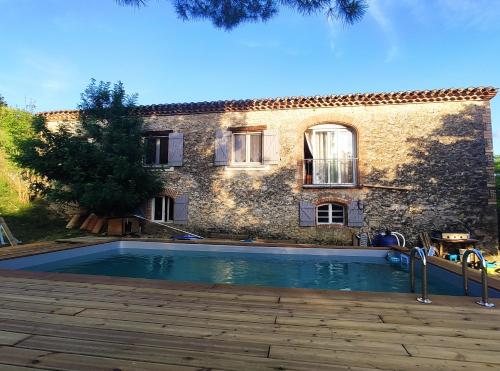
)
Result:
{"points": [[51, 48]]}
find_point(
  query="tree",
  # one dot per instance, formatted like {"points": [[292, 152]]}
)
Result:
{"points": [[3, 102], [228, 14], [97, 163]]}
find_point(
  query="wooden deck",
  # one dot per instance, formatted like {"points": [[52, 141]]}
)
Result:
{"points": [[78, 322]]}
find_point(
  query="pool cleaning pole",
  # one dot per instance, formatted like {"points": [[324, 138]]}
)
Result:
{"points": [[168, 226]]}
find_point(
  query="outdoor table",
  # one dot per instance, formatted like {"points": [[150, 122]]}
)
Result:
{"points": [[447, 243]]}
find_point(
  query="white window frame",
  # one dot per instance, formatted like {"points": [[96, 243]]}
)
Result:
{"points": [[165, 204], [248, 135], [334, 129], [330, 207]]}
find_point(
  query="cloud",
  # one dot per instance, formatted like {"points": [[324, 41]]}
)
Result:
{"points": [[470, 13], [378, 14]]}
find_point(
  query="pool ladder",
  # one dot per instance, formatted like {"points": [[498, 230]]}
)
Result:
{"points": [[425, 298], [422, 253], [484, 277]]}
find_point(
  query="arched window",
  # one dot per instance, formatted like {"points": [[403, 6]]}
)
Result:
{"points": [[330, 155], [162, 209], [331, 214]]}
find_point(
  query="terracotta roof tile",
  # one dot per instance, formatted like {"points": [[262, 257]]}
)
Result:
{"points": [[401, 97]]}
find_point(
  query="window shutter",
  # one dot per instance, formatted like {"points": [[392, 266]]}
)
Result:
{"points": [[175, 149], [355, 214], [271, 146], [222, 147], [307, 214], [181, 209]]}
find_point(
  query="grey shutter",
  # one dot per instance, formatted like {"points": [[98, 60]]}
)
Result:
{"points": [[271, 147], [355, 214], [222, 147], [181, 209], [307, 214], [175, 149]]}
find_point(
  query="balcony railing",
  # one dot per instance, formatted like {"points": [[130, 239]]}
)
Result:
{"points": [[341, 171]]}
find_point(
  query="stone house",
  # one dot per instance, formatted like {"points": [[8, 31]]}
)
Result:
{"points": [[324, 168]]}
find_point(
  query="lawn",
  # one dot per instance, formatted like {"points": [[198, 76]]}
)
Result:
{"points": [[31, 221]]}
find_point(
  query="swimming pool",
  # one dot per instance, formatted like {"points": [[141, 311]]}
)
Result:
{"points": [[349, 270]]}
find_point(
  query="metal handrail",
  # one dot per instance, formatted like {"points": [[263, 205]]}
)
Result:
{"points": [[338, 162], [484, 276], [421, 252]]}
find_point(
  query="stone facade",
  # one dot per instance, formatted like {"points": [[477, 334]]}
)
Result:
{"points": [[421, 167]]}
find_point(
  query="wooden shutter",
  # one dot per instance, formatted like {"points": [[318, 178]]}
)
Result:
{"points": [[150, 150], [175, 149], [307, 214], [355, 214], [181, 209], [271, 147], [222, 147]]}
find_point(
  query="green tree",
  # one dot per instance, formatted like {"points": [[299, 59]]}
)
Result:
{"points": [[3, 102], [228, 14], [98, 162]]}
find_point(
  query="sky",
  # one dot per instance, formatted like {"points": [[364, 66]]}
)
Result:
{"points": [[50, 49]]}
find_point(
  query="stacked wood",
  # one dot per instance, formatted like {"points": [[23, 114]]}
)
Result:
{"points": [[98, 225], [73, 222], [85, 224]]}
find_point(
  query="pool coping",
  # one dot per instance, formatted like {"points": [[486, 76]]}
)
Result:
{"points": [[304, 293], [493, 282]]}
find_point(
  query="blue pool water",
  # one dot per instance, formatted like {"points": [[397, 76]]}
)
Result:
{"points": [[356, 273]]}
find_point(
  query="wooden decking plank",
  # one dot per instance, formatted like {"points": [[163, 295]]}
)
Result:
{"points": [[388, 327], [454, 354], [365, 360], [19, 357], [11, 338], [207, 343], [24, 329], [224, 361]]}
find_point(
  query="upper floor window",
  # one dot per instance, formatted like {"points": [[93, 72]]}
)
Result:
{"points": [[164, 148], [329, 155], [331, 214], [157, 150], [247, 148]]}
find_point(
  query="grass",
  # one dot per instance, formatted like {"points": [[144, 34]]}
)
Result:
{"points": [[33, 221]]}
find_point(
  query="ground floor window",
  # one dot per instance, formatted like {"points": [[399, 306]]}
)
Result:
{"points": [[162, 209], [331, 214]]}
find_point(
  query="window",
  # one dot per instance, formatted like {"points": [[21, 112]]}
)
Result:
{"points": [[162, 209], [329, 155], [331, 214], [247, 148], [156, 150]]}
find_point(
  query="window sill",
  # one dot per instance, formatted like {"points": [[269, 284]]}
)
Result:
{"points": [[254, 167], [159, 167], [330, 186]]}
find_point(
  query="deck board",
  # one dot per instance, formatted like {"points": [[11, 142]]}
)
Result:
{"points": [[78, 322]]}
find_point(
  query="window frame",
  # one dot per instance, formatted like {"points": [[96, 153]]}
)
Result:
{"points": [[167, 205], [330, 212], [248, 138], [157, 156], [333, 129]]}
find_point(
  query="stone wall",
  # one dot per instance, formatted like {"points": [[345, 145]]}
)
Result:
{"points": [[421, 167]]}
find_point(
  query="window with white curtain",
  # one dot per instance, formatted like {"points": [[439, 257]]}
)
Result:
{"points": [[247, 148], [330, 155]]}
